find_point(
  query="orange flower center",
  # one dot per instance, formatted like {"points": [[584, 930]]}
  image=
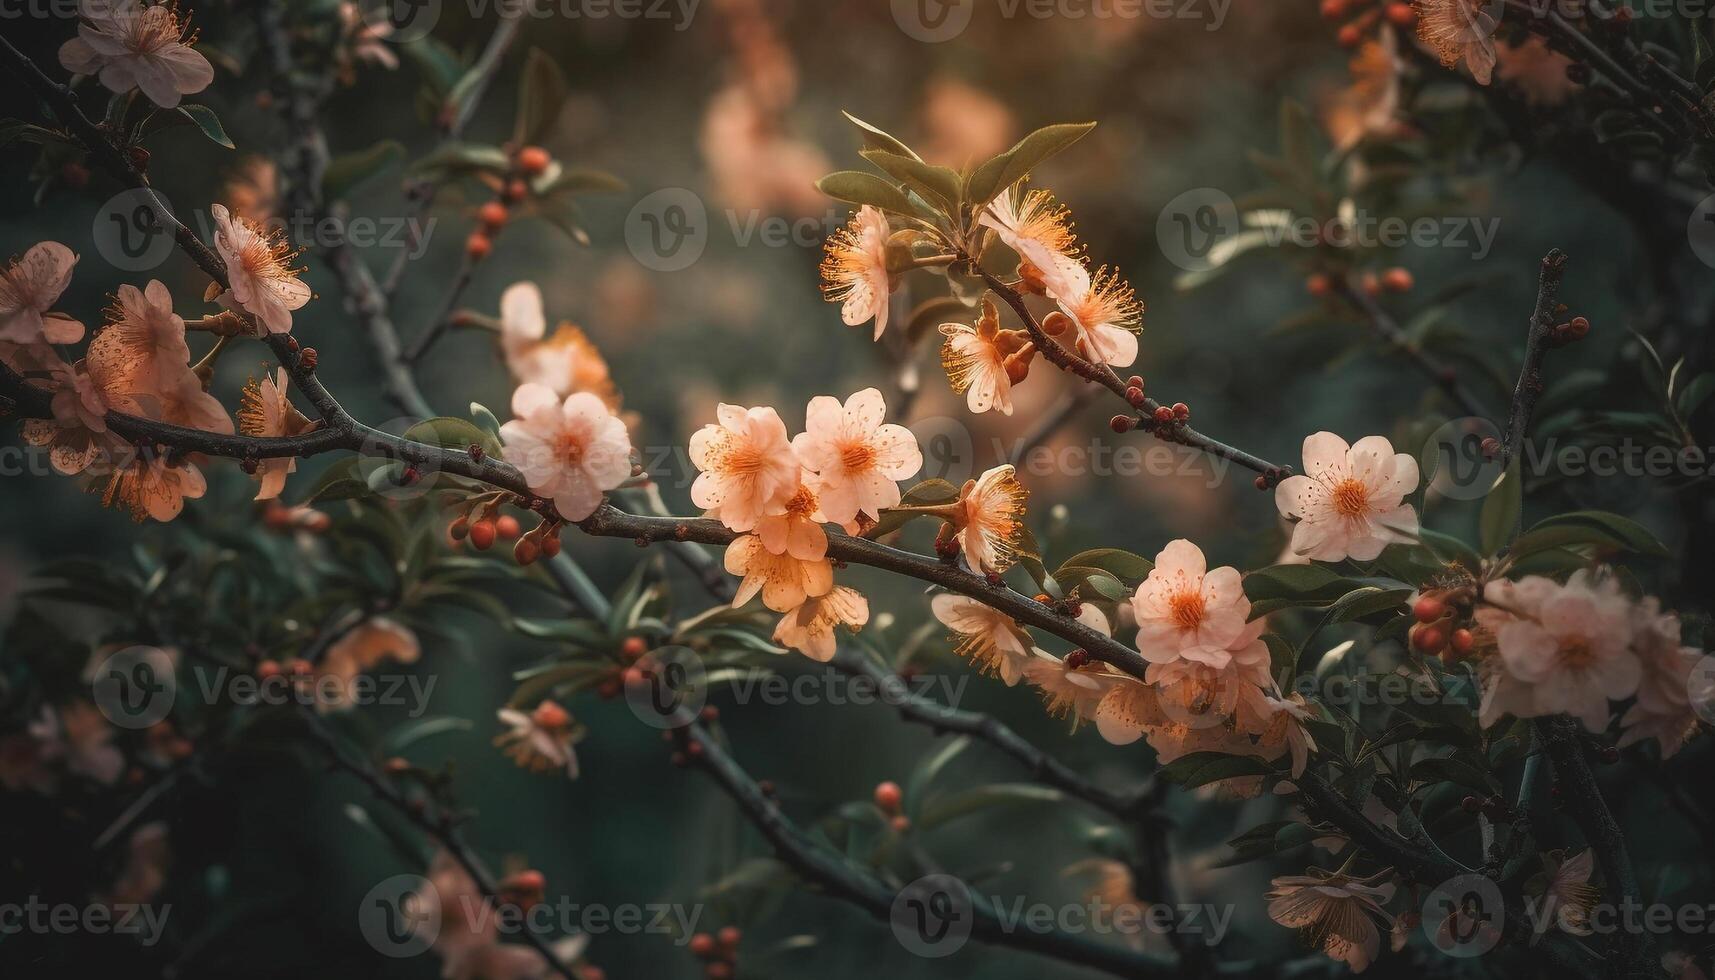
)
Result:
{"points": [[1351, 498], [802, 504], [1576, 654], [857, 456], [569, 448], [1186, 609]]}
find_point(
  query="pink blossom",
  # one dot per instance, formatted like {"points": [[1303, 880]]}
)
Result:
{"points": [[747, 466], [856, 456], [572, 451], [854, 269], [809, 629], [28, 287], [1184, 610], [259, 266], [1569, 645], [1349, 502], [130, 45]]}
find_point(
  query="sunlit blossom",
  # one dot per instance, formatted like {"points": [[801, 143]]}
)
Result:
{"points": [[797, 529], [1568, 644], [1350, 500], [784, 582], [1032, 224], [990, 639], [980, 360], [540, 740], [856, 455], [809, 629], [989, 519], [1106, 317], [1184, 609], [854, 269], [747, 467], [1459, 31], [152, 485], [259, 266], [29, 287], [267, 413], [572, 451]]}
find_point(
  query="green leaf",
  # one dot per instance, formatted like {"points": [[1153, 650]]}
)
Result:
{"points": [[929, 493], [541, 95], [1450, 770], [349, 171], [1123, 565], [412, 732], [1635, 536], [917, 786], [939, 185], [875, 139], [944, 809], [463, 160], [1087, 580], [1450, 549], [1694, 394], [858, 187], [453, 433], [484, 418], [1000, 173], [1201, 768], [581, 632], [1266, 840], [205, 119], [1367, 601], [1502, 509], [1288, 586]]}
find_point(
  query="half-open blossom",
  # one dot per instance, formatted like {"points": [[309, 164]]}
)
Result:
{"points": [[1106, 317], [566, 361], [854, 269], [1569, 644], [541, 739], [1286, 733], [856, 455], [1337, 912], [797, 529], [980, 360], [130, 45], [1370, 105], [784, 581], [29, 287], [809, 629], [747, 466], [1568, 897], [1350, 500], [1040, 231], [990, 639], [1185, 609], [989, 519], [1672, 693], [266, 412], [573, 451], [362, 649], [259, 266], [1459, 31], [149, 484]]}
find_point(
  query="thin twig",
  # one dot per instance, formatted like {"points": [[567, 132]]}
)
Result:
{"points": [[1385, 327], [1530, 384]]}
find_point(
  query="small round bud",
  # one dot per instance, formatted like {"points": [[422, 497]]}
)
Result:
{"points": [[397, 766], [477, 246], [702, 945], [900, 824], [718, 971], [1462, 642], [515, 192], [1428, 639], [1261, 482], [1076, 659], [1056, 323], [1333, 9], [1350, 36], [729, 937], [550, 545], [1470, 804], [1135, 381], [1490, 447], [1042, 597], [1401, 14], [1135, 396], [633, 647], [526, 551], [307, 358], [1397, 280], [1164, 415], [1610, 755], [476, 453], [1318, 285], [459, 529], [1577, 328], [1181, 411], [1428, 609], [1121, 423], [482, 534], [267, 669], [507, 527], [492, 215], [888, 796], [534, 160]]}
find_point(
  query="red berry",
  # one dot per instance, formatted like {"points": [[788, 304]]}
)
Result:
{"points": [[1333, 9], [267, 669], [900, 824], [1470, 804], [477, 246], [482, 534], [1076, 659], [534, 160], [1462, 642], [1318, 285], [1120, 423], [888, 796], [594, 973], [718, 971], [1261, 482], [550, 545], [1135, 396], [526, 551], [1163, 414], [1135, 381], [1577, 327], [526, 881], [633, 647], [730, 936], [492, 215], [515, 191], [1397, 280], [1349, 36], [459, 529], [1428, 609], [1401, 14], [1428, 639], [1181, 411], [507, 527], [702, 945]]}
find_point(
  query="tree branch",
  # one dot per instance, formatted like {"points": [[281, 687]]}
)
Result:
{"points": [[1529, 386], [1385, 327]]}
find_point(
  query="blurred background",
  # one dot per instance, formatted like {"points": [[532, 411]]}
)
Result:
{"points": [[738, 106]]}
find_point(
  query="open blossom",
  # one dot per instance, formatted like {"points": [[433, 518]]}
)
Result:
{"points": [[541, 739], [1105, 315], [1336, 911], [809, 629], [857, 457], [1349, 501], [1127, 710], [144, 340], [1184, 609], [1370, 105], [28, 288], [990, 639], [1068, 687], [1537, 69], [1286, 733], [1566, 646], [1568, 896], [784, 581], [1673, 695], [989, 519], [130, 45], [854, 269], [1459, 31], [1040, 232], [982, 360], [565, 361], [152, 485], [747, 466], [259, 265], [573, 451], [797, 529], [265, 411]]}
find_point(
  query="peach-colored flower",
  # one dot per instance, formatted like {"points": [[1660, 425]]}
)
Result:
{"points": [[133, 45], [1105, 315], [809, 629], [252, 190], [362, 649], [1568, 644], [989, 519], [797, 529], [364, 41], [856, 456], [990, 639], [184, 402], [1537, 69], [1459, 30], [975, 359], [1336, 911], [566, 361], [1568, 895], [1127, 710], [747, 466], [266, 412], [854, 269], [1074, 690], [1370, 105], [259, 266], [1672, 693], [1286, 733], [1186, 610], [1039, 229], [152, 485], [28, 287], [1350, 500], [144, 340], [573, 450], [540, 740], [784, 581]]}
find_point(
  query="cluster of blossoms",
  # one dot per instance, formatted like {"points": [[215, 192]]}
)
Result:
{"points": [[842, 469]]}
